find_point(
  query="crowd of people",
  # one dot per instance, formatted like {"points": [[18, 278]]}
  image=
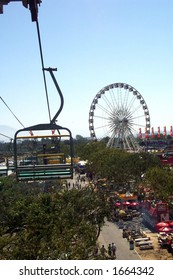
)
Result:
{"points": [[78, 182]]}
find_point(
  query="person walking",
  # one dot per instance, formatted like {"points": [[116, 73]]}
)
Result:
{"points": [[103, 250], [114, 248], [110, 250], [96, 251]]}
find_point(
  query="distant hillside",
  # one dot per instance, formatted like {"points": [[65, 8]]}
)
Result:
{"points": [[8, 132]]}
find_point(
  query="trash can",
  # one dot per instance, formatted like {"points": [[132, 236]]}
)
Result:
{"points": [[131, 244]]}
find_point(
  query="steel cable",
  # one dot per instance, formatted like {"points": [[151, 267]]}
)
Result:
{"points": [[42, 62]]}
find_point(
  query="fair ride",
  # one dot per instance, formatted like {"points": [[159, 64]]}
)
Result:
{"points": [[38, 149], [116, 114]]}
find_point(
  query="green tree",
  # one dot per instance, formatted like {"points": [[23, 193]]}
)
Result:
{"points": [[160, 180], [116, 165], [56, 225]]}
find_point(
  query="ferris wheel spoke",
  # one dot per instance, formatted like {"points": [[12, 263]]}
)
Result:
{"points": [[120, 97], [102, 118], [132, 101], [113, 130], [108, 103], [136, 109], [137, 121], [138, 117], [133, 126], [104, 110], [133, 129], [139, 125], [106, 133], [116, 97], [126, 98], [101, 127], [113, 99]]}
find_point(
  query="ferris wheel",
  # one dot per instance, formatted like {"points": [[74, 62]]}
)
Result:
{"points": [[116, 114]]}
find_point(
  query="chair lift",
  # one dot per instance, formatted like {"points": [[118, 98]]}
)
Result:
{"points": [[40, 156], [42, 160]]}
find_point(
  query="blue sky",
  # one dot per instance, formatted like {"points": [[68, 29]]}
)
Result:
{"points": [[93, 43]]}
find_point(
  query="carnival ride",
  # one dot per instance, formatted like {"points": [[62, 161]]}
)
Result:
{"points": [[38, 151], [116, 114]]}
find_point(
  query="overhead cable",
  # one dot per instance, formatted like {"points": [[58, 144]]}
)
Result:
{"points": [[6, 136], [42, 63], [11, 111]]}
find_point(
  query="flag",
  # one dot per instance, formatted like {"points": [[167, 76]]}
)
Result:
{"points": [[158, 134], [140, 133], [171, 132], [31, 133], [152, 132], [164, 131], [146, 133]]}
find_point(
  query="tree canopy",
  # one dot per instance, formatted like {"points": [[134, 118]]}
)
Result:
{"points": [[55, 225], [117, 165], [38, 222]]}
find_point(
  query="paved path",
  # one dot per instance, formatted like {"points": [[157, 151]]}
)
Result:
{"points": [[76, 183], [111, 233]]}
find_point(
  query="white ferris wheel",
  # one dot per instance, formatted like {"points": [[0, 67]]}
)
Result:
{"points": [[116, 114]]}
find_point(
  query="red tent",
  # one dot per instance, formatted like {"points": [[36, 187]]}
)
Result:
{"points": [[165, 229], [126, 203], [162, 224], [117, 204], [134, 203]]}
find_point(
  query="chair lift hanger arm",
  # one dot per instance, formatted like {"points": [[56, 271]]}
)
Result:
{"points": [[59, 91]]}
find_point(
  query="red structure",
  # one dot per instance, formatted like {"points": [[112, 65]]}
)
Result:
{"points": [[153, 213], [159, 142], [140, 133], [153, 134], [166, 160], [158, 134]]}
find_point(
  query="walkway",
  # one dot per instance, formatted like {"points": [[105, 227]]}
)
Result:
{"points": [[111, 233]]}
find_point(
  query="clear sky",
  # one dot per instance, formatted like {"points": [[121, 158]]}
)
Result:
{"points": [[93, 43]]}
